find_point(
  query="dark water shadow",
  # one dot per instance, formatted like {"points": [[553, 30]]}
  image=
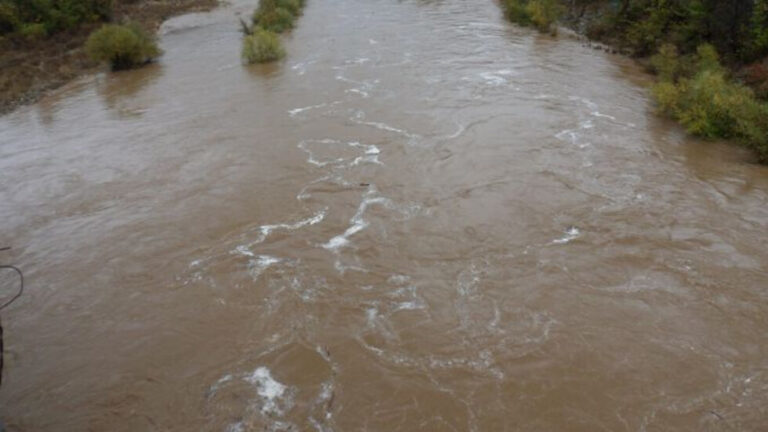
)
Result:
{"points": [[122, 91], [265, 70]]}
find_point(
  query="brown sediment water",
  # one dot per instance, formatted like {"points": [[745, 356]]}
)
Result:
{"points": [[425, 218]]}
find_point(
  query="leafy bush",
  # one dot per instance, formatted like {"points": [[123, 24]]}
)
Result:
{"points": [[262, 46], [756, 76], [9, 18], [709, 104], [50, 15], [540, 13], [517, 12], [122, 46], [275, 19], [33, 31], [292, 6], [544, 13], [260, 43], [666, 63]]}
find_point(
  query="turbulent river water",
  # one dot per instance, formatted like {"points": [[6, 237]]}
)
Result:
{"points": [[424, 218]]}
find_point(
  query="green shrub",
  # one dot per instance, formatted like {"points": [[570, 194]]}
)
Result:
{"points": [[756, 76], [666, 63], [544, 13], [516, 11], [709, 104], [122, 46], [667, 96], [276, 19], [261, 47], [292, 6], [9, 18], [707, 59], [33, 31], [53, 15]]}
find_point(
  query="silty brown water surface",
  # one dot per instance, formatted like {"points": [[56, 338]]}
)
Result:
{"points": [[423, 219]]}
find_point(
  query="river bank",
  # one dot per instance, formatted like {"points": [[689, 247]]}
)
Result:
{"points": [[710, 59], [31, 67]]}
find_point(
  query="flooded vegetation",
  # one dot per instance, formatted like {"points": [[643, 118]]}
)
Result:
{"points": [[260, 43], [423, 218], [683, 36]]}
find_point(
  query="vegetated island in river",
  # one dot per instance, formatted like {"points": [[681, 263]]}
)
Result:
{"points": [[260, 41], [710, 56], [42, 42]]}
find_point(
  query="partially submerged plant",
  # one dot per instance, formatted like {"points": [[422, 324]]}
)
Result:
{"points": [[260, 42], [122, 46], [262, 46]]}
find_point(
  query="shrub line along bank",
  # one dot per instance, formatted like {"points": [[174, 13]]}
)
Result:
{"points": [[260, 42], [679, 41], [43, 42]]}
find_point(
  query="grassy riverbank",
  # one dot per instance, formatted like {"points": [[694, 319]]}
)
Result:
{"points": [[42, 41], [711, 57]]}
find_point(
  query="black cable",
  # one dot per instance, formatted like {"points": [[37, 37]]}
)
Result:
{"points": [[6, 304], [21, 286]]}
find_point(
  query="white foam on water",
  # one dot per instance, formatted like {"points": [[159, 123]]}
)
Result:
{"points": [[492, 79], [271, 392], [223, 380], [370, 315], [371, 154], [301, 67], [591, 105], [459, 131], [372, 159], [598, 114], [294, 112], [570, 134], [398, 279], [260, 263], [372, 42], [409, 305], [243, 250], [227, 66], [323, 402], [266, 230], [386, 127], [336, 243], [358, 223], [571, 234], [236, 427], [333, 177], [360, 119], [353, 62], [304, 145], [468, 280], [362, 93], [272, 400]]}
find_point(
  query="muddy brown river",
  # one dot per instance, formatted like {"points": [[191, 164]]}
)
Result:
{"points": [[423, 219]]}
